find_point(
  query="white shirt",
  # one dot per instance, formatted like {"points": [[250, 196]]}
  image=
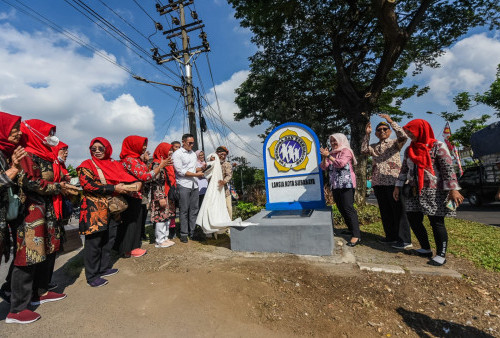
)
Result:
{"points": [[185, 161]]}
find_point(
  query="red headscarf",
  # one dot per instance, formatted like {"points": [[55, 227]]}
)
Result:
{"points": [[59, 172], [132, 146], [7, 122], [33, 140], [113, 171], [161, 152], [418, 151]]}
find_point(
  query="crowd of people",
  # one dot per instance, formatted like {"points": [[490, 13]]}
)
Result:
{"points": [[114, 197], [425, 183]]}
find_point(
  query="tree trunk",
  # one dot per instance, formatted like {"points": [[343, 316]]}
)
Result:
{"points": [[357, 133]]}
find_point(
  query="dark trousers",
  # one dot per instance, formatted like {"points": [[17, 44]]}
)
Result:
{"points": [[23, 278], [394, 220], [97, 251], [188, 209], [41, 285], [129, 233], [201, 197], [439, 230], [143, 220], [344, 198]]}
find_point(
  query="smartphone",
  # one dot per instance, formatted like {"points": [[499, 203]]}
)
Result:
{"points": [[207, 167], [451, 205]]}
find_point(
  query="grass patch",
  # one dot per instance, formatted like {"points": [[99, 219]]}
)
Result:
{"points": [[476, 242], [367, 214], [74, 266]]}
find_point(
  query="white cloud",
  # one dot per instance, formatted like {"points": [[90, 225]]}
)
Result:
{"points": [[470, 65], [240, 138], [43, 76]]}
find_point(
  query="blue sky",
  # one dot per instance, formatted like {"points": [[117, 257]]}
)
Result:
{"points": [[48, 76]]}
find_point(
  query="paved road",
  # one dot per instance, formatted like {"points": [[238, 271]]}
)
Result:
{"points": [[487, 214]]}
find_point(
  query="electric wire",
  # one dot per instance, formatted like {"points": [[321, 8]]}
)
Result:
{"points": [[85, 8]]}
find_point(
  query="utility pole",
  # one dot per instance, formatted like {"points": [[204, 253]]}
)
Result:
{"points": [[186, 53], [203, 124]]}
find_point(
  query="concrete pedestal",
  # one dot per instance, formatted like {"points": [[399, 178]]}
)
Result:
{"points": [[300, 232]]}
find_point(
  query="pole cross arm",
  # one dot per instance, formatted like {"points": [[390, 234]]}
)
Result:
{"points": [[176, 88]]}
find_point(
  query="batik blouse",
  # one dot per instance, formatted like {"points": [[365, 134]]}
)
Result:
{"points": [[340, 170], [139, 170], [94, 212]]}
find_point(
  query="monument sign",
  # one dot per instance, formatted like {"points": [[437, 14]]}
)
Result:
{"points": [[293, 178], [295, 219]]}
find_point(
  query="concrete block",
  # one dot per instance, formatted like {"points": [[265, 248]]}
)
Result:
{"points": [[297, 233], [433, 271], [381, 268]]}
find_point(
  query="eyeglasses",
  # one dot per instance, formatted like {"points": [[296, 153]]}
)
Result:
{"points": [[190, 143], [97, 149], [382, 129]]}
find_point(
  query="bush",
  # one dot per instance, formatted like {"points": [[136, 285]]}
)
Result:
{"points": [[246, 210], [367, 214]]}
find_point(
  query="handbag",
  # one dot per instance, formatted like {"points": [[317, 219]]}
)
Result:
{"points": [[233, 192], [173, 192], [14, 202], [116, 204]]}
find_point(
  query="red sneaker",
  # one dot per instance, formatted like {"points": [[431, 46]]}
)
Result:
{"points": [[23, 317], [49, 297], [138, 252]]}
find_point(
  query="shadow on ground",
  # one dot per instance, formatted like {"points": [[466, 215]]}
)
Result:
{"points": [[425, 326]]}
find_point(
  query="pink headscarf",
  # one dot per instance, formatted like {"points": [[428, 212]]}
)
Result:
{"points": [[199, 163], [343, 143]]}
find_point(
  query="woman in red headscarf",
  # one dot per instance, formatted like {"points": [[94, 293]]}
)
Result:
{"points": [[129, 234], [432, 188], [39, 235], [96, 223], [162, 207], [60, 153]]}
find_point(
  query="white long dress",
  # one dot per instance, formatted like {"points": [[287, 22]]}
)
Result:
{"points": [[213, 214]]}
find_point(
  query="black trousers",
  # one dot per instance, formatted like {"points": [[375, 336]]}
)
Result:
{"points": [[439, 230], [394, 220], [129, 233], [23, 278], [344, 198], [41, 285], [97, 251], [143, 220]]}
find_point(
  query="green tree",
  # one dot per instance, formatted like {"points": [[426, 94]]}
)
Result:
{"points": [[462, 135], [72, 171], [332, 64]]}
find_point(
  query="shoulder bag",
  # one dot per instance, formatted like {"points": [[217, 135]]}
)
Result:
{"points": [[116, 204], [173, 192], [14, 202]]}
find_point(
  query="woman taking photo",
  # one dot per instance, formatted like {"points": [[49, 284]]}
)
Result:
{"points": [[129, 234], [39, 235], [201, 164], [162, 207], [432, 188], [96, 222], [10, 156], [340, 163]]}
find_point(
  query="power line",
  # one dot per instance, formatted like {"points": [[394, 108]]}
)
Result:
{"points": [[112, 28]]}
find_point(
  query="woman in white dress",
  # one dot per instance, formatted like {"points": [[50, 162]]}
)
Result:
{"points": [[213, 215]]}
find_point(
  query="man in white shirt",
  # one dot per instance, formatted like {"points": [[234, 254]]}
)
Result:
{"points": [[187, 182]]}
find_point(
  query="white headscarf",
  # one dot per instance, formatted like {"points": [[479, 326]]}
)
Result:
{"points": [[343, 143]]}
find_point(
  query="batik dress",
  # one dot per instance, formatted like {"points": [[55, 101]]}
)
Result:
{"points": [[434, 194], [159, 214], [139, 170], [94, 212], [40, 234]]}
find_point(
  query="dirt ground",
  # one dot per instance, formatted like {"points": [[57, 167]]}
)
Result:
{"points": [[205, 289]]}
